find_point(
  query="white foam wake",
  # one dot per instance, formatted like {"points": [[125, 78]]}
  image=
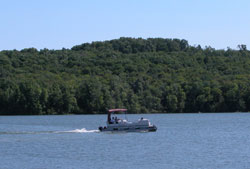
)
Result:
{"points": [[83, 130]]}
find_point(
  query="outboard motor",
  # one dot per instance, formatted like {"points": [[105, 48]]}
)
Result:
{"points": [[100, 128]]}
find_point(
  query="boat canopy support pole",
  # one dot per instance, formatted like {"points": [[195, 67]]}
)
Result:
{"points": [[109, 117]]}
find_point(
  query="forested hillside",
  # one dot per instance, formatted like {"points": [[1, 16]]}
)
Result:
{"points": [[144, 75]]}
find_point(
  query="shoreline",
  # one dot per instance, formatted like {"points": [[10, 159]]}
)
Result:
{"points": [[127, 113]]}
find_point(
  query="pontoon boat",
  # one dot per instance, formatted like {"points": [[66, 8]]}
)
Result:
{"points": [[118, 124]]}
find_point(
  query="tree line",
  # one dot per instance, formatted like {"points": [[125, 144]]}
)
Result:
{"points": [[153, 75]]}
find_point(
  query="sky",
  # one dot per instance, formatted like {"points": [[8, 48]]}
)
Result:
{"points": [[57, 24]]}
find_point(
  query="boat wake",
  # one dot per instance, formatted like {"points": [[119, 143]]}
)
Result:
{"points": [[83, 130]]}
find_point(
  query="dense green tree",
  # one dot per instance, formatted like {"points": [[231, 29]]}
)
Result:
{"points": [[153, 75]]}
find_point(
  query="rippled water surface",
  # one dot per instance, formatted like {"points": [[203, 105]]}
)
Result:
{"points": [[185, 141]]}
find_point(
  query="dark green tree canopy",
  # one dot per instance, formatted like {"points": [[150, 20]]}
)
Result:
{"points": [[153, 75]]}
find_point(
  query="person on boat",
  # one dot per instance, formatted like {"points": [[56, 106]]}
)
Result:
{"points": [[112, 121]]}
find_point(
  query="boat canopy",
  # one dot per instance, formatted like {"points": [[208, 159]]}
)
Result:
{"points": [[114, 110]]}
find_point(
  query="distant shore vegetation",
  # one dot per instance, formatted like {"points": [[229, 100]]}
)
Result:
{"points": [[153, 75]]}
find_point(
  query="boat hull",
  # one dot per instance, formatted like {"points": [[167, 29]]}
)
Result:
{"points": [[152, 128]]}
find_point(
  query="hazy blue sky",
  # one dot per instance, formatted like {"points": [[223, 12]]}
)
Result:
{"points": [[54, 24]]}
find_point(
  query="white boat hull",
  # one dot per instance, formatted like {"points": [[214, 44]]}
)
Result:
{"points": [[152, 128]]}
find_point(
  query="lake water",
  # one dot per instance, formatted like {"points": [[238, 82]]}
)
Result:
{"points": [[187, 141]]}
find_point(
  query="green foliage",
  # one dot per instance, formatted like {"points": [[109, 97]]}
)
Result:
{"points": [[144, 75]]}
